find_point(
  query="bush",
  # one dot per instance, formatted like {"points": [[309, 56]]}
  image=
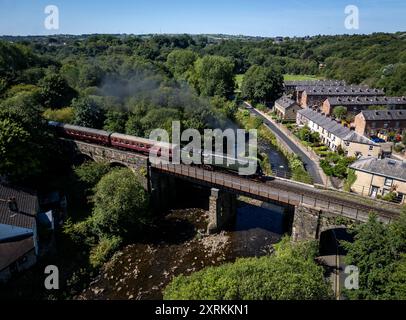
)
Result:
{"points": [[289, 274], [104, 250], [65, 115]]}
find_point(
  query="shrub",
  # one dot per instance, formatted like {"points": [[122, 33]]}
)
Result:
{"points": [[291, 273], [65, 115], [104, 250]]}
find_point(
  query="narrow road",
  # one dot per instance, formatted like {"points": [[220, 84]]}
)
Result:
{"points": [[309, 164]]}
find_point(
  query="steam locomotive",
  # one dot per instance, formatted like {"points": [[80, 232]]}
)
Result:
{"points": [[211, 160]]}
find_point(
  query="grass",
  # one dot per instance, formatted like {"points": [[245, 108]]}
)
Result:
{"points": [[293, 77]]}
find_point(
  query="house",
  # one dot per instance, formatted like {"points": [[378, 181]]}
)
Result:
{"points": [[296, 87], [19, 245], [286, 108], [316, 96], [334, 135], [379, 177], [355, 104], [380, 122]]}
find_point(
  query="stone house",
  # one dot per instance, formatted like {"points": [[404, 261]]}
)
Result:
{"points": [[334, 135], [378, 177], [286, 108]]}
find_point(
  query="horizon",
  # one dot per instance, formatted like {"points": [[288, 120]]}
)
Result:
{"points": [[257, 18]]}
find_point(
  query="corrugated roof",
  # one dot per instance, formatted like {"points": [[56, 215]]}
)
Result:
{"points": [[369, 101], [384, 115], [11, 251], [285, 102], [27, 205], [315, 83], [385, 167], [333, 127]]}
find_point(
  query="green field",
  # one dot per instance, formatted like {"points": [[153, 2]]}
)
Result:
{"points": [[291, 77]]}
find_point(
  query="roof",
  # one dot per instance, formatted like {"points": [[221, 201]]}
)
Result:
{"points": [[342, 91], [386, 167], [374, 115], [285, 102], [334, 128], [27, 205], [11, 251], [370, 101], [297, 83]]}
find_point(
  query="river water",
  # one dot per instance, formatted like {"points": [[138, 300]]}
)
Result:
{"points": [[179, 245]]}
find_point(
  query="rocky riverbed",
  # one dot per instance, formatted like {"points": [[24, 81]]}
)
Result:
{"points": [[180, 246]]}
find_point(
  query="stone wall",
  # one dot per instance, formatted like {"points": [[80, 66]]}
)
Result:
{"points": [[222, 210]]}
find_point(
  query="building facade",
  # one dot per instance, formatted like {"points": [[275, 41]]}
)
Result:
{"points": [[316, 96], [356, 104], [377, 178], [286, 108], [380, 122], [336, 136]]}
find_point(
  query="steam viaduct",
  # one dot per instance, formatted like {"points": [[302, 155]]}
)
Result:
{"points": [[310, 210]]}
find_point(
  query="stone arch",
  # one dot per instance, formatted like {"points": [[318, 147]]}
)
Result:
{"points": [[81, 158], [331, 238], [119, 164]]}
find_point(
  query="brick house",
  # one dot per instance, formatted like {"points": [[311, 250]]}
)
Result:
{"points": [[334, 135], [286, 108], [378, 177], [358, 103], [316, 96], [380, 122]]}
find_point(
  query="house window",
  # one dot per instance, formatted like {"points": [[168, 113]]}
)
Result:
{"points": [[385, 125], [373, 124], [371, 148], [388, 182]]}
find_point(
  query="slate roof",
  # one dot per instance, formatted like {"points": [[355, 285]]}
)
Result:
{"points": [[297, 83], [27, 205], [11, 251], [342, 91], [370, 101], [380, 115], [284, 102], [334, 127], [384, 167]]}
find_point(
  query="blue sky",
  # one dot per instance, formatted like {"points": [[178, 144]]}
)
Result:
{"points": [[248, 17]]}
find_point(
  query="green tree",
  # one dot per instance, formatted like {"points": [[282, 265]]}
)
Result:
{"points": [[91, 172], [262, 85], [290, 274], [121, 205], [180, 62], [88, 113], [213, 75], [55, 92], [340, 112]]}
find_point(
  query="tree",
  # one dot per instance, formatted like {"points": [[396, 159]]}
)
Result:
{"points": [[262, 85], [88, 113], [180, 62], [121, 205], [340, 112], [213, 75], [91, 172], [55, 92], [378, 251], [291, 273]]}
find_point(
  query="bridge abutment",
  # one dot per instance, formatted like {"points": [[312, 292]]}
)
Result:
{"points": [[222, 210], [306, 223]]}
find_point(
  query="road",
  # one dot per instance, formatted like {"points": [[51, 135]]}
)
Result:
{"points": [[309, 164]]}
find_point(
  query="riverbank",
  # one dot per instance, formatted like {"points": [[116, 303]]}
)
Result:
{"points": [[143, 270]]}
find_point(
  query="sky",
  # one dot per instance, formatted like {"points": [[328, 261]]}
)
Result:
{"points": [[234, 17]]}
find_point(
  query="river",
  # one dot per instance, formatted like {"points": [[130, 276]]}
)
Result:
{"points": [[179, 245]]}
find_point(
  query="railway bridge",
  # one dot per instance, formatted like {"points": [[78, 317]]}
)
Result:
{"points": [[312, 210]]}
